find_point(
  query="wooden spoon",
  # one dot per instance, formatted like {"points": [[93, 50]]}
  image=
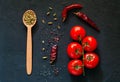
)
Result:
{"points": [[29, 20]]}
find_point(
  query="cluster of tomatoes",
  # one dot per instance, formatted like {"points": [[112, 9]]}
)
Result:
{"points": [[81, 51]]}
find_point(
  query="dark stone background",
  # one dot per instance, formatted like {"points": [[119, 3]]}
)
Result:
{"points": [[13, 40]]}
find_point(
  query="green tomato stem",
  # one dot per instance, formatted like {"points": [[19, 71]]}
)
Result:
{"points": [[83, 61]]}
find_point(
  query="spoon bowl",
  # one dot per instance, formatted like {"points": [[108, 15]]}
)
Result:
{"points": [[29, 20]]}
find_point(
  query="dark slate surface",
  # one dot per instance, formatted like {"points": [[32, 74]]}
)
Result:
{"points": [[13, 40]]}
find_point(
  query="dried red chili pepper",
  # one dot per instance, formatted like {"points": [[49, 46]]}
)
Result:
{"points": [[53, 54], [68, 8], [84, 17]]}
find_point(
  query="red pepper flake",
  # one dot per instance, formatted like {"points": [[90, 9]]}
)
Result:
{"points": [[56, 71], [56, 39], [53, 54]]}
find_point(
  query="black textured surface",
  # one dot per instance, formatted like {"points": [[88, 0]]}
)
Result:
{"points": [[13, 40]]}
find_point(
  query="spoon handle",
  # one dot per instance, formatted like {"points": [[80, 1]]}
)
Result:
{"points": [[29, 52]]}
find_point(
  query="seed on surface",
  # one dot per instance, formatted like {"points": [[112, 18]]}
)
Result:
{"points": [[58, 27], [43, 49], [48, 13], [43, 41], [54, 14], [50, 8], [44, 57], [55, 19], [43, 21], [50, 23]]}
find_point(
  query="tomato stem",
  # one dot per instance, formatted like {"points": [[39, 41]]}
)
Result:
{"points": [[79, 39], [83, 61], [83, 46]]}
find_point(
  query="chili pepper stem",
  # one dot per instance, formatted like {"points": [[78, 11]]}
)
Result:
{"points": [[63, 19], [76, 13]]}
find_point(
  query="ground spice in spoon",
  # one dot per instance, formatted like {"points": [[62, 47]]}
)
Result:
{"points": [[29, 17]]}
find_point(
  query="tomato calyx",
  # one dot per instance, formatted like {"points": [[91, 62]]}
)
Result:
{"points": [[86, 44], [89, 58], [77, 52], [77, 67]]}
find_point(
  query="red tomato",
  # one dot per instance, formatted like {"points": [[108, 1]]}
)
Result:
{"points": [[77, 33], [75, 67], [74, 50], [91, 60], [89, 43]]}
